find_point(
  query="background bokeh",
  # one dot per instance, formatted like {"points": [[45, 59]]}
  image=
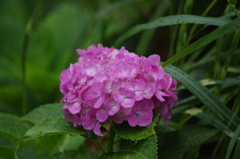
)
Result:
{"points": [[43, 36]]}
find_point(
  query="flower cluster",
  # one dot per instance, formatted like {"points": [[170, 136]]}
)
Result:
{"points": [[107, 83]]}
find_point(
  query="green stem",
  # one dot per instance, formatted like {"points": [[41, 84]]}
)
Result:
{"points": [[111, 139], [98, 145], [204, 14], [233, 6], [23, 61], [230, 53], [147, 35]]}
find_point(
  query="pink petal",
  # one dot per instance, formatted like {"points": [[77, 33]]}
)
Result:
{"points": [[118, 97], [159, 95], [148, 91], [74, 108], [157, 72], [97, 129], [101, 115], [119, 117], [128, 103], [155, 59], [145, 118], [132, 120], [163, 109], [112, 106], [89, 70], [107, 86], [99, 101]]}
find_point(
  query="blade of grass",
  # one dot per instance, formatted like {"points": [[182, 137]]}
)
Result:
{"points": [[219, 32], [148, 34], [112, 7], [230, 53], [205, 96], [172, 20], [204, 13], [237, 151], [232, 142], [233, 6]]}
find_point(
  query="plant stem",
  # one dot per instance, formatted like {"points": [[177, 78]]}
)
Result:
{"points": [[230, 53], [98, 145], [111, 139], [204, 14], [23, 61]]}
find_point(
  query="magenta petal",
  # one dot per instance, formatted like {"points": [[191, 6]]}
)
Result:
{"points": [[132, 120], [89, 124], [112, 106], [128, 103], [149, 91], [97, 129], [155, 59], [118, 97], [99, 102], [145, 118], [101, 115], [119, 117], [70, 117], [159, 95], [163, 109], [74, 108]]}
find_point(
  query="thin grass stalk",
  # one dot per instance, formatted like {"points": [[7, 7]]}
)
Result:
{"points": [[230, 54], [232, 142], [23, 61], [217, 65], [182, 36], [204, 14], [173, 31], [233, 6], [217, 146], [148, 34]]}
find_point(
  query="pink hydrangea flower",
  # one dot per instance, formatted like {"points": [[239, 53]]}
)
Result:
{"points": [[110, 84]]}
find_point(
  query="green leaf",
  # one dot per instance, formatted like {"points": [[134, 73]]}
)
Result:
{"points": [[142, 149], [136, 133], [205, 96], [232, 142], [52, 126], [7, 152], [237, 150], [214, 121], [4, 141], [219, 32], [10, 129], [172, 20], [27, 151], [161, 127], [43, 112], [71, 143], [76, 155], [171, 143], [112, 7], [48, 145]]}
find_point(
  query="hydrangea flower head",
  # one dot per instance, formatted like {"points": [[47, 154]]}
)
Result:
{"points": [[110, 84]]}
